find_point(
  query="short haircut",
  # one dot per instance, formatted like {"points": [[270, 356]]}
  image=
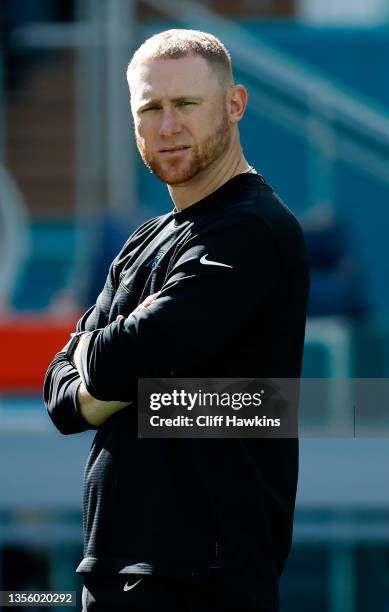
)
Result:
{"points": [[178, 43]]}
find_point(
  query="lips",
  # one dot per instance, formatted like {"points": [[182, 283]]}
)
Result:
{"points": [[176, 149]]}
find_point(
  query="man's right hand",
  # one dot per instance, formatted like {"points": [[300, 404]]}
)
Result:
{"points": [[95, 411]]}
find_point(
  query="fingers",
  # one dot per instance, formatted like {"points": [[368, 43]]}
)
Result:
{"points": [[149, 300], [145, 304]]}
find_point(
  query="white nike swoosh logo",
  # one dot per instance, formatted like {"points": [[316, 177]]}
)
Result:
{"points": [[208, 262], [128, 587]]}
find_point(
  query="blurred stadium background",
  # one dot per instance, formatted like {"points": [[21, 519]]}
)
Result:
{"points": [[72, 189]]}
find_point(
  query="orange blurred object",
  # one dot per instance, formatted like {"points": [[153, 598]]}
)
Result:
{"points": [[28, 344]]}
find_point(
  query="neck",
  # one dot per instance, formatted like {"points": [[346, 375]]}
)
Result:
{"points": [[209, 180]]}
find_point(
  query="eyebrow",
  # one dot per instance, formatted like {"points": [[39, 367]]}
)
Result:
{"points": [[177, 99]]}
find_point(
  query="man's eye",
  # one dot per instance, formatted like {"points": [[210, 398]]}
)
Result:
{"points": [[149, 108], [184, 103]]}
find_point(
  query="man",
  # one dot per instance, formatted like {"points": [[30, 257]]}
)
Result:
{"points": [[217, 287]]}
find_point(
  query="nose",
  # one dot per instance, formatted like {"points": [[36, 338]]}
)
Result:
{"points": [[170, 123]]}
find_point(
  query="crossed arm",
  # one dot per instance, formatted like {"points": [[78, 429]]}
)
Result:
{"points": [[95, 411], [180, 330]]}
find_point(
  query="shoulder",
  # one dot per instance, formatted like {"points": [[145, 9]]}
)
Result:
{"points": [[250, 216], [248, 201], [150, 225], [139, 239], [258, 199], [261, 208], [140, 235]]}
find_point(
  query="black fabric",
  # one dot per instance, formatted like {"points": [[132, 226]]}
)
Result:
{"points": [[158, 507], [214, 593]]}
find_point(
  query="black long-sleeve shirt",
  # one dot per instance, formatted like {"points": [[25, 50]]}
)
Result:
{"points": [[233, 276]]}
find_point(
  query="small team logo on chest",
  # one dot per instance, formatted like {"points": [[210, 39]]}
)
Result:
{"points": [[153, 262]]}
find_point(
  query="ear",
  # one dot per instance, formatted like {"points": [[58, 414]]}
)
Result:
{"points": [[237, 99]]}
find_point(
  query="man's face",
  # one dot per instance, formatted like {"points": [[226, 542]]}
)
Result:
{"points": [[180, 117]]}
